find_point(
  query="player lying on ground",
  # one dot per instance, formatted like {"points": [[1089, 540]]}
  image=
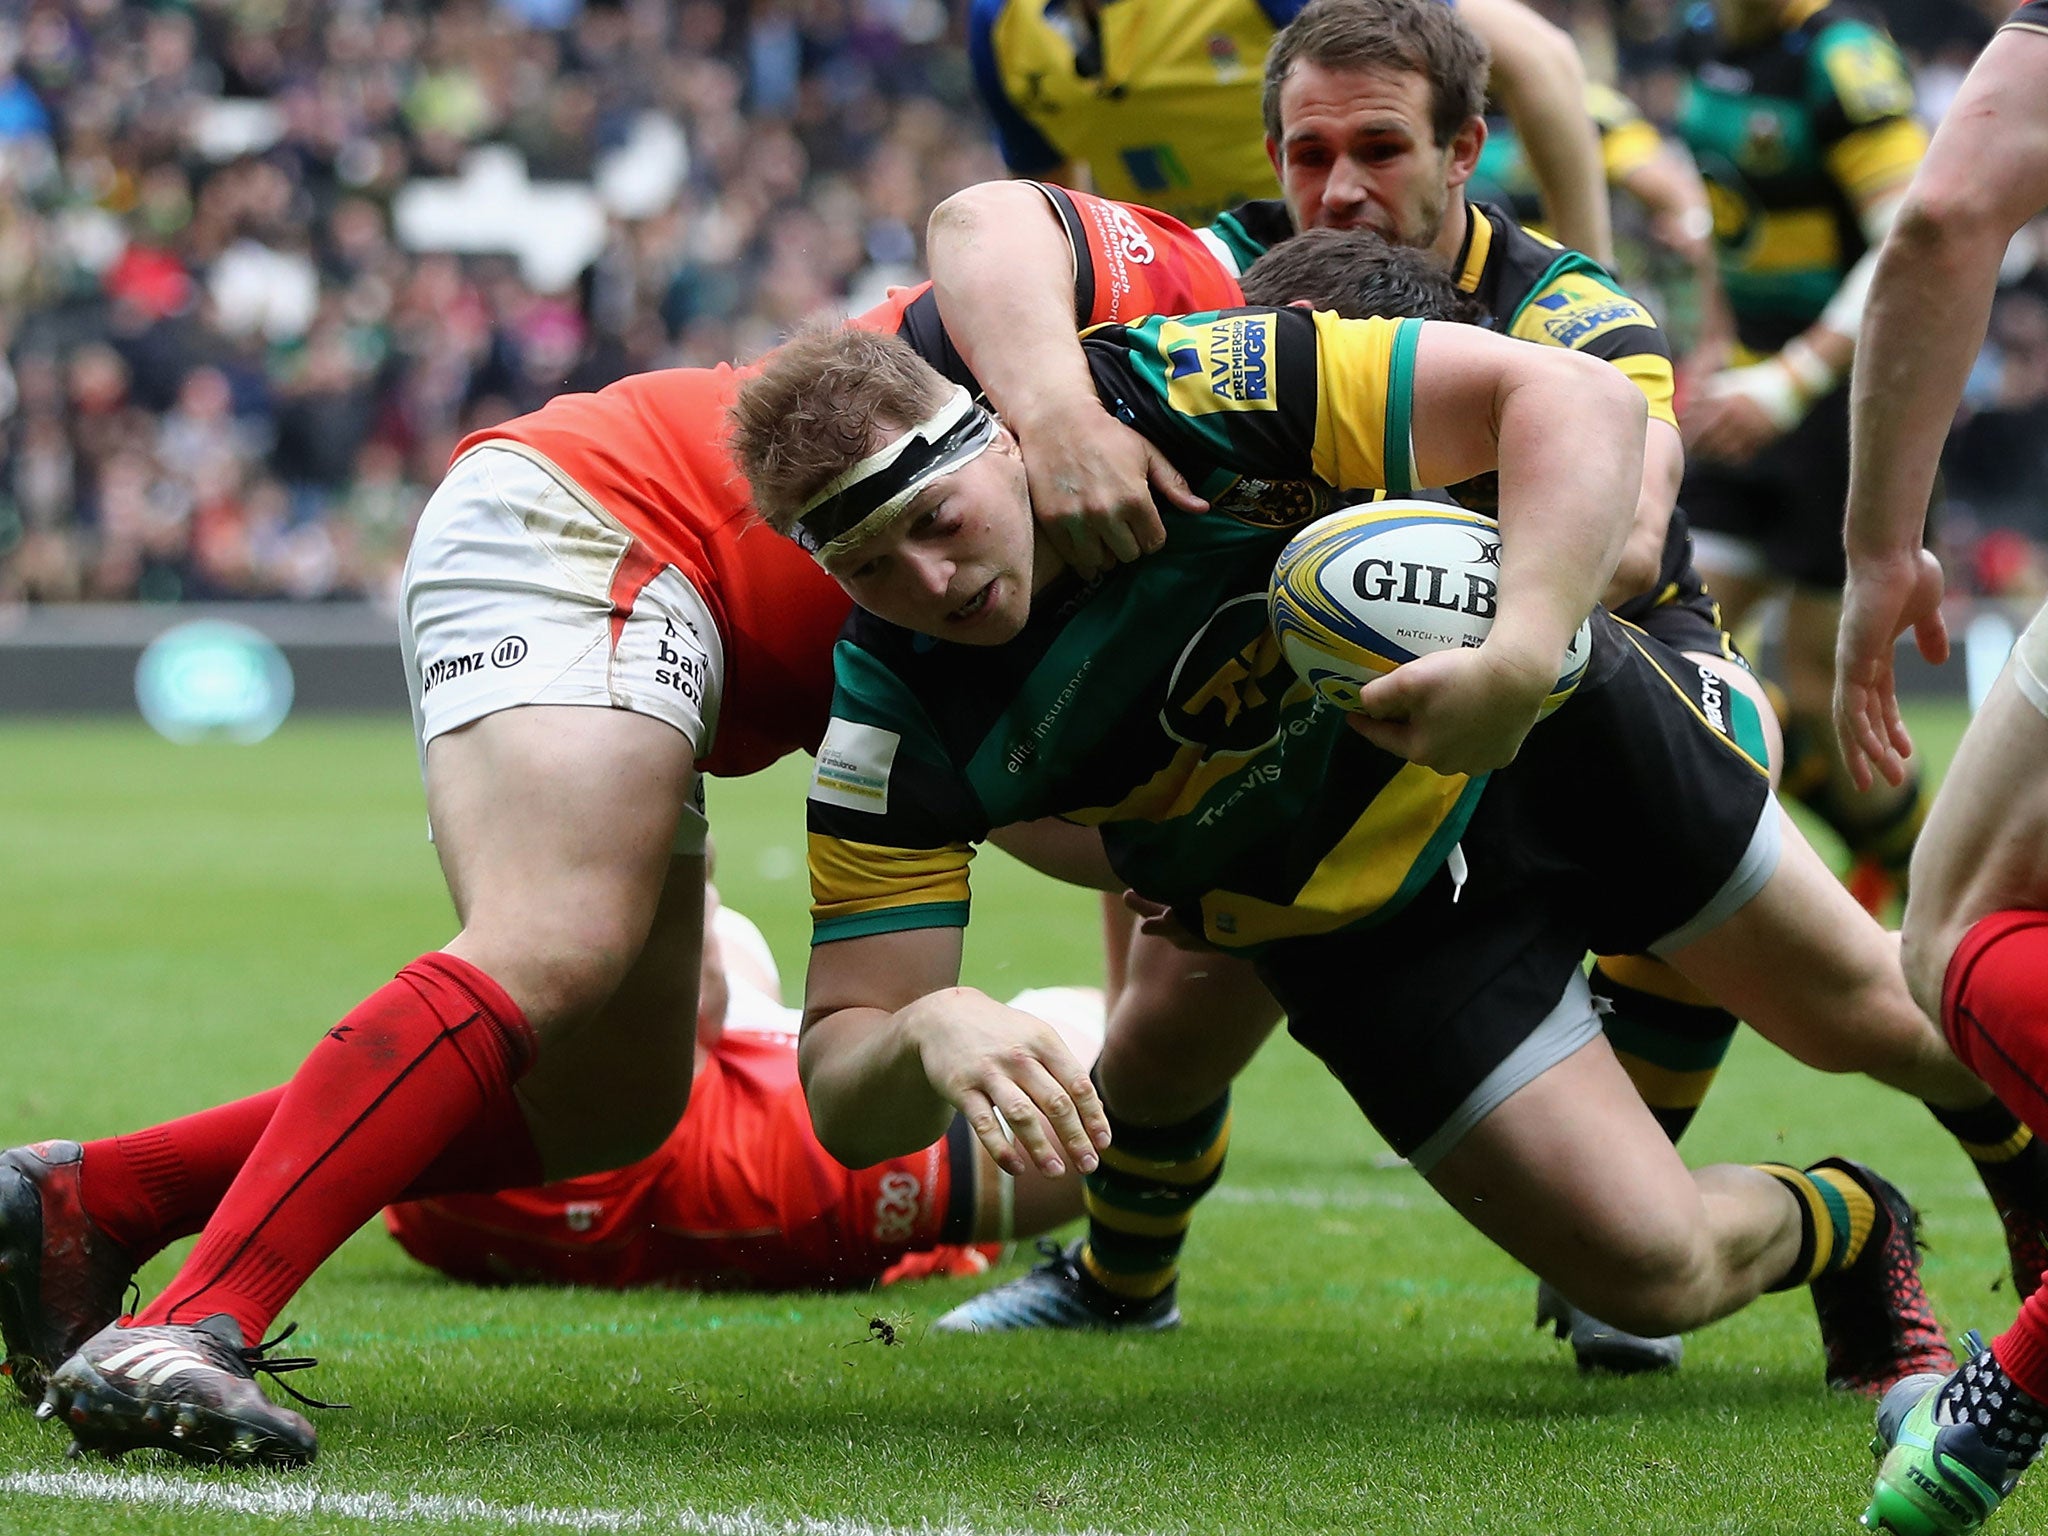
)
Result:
{"points": [[1373, 115], [741, 1196], [592, 619], [1976, 938], [1422, 925]]}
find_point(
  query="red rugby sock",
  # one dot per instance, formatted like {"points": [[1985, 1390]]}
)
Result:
{"points": [[1994, 1010], [155, 1186], [149, 1188], [2022, 1350], [380, 1098]]}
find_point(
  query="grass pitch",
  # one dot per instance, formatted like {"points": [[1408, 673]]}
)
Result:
{"points": [[177, 924]]}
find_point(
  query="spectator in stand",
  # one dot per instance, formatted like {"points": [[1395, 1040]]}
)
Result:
{"points": [[197, 237]]}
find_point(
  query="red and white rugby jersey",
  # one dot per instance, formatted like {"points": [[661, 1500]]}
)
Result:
{"points": [[650, 450]]}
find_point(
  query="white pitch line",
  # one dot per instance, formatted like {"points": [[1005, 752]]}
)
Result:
{"points": [[300, 1500]]}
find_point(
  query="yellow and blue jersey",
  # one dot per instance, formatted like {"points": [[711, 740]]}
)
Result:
{"points": [[1158, 98], [1795, 136], [1153, 702]]}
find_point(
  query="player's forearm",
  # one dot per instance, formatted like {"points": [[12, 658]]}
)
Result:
{"points": [[1571, 478], [864, 1078], [1671, 191], [1003, 273], [1929, 304]]}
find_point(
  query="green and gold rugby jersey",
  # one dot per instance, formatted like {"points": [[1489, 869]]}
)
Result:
{"points": [[1154, 702], [1531, 288], [1795, 136]]}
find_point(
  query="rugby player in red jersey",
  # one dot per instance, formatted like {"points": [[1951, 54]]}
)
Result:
{"points": [[593, 620], [741, 1196]]}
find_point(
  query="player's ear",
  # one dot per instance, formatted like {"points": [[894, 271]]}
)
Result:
{"points": [[1466, 144], [1301, 303], [1273, 154]]}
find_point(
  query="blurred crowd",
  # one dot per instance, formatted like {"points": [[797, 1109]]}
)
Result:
{"points": [[264, 262]]}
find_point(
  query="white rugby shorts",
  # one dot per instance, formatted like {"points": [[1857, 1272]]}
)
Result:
{"points": [[519, 589]]}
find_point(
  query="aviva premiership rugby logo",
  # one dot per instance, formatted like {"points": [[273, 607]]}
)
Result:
{"points": [[1219, 365]]}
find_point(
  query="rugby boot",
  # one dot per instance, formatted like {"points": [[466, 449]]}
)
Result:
{"points": [[185, 1388], [1601, 1346], [61, 1277], [1058, 1294], [1936, 1476], [1876, 1322]]}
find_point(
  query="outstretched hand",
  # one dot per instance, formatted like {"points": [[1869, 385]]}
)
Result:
{"points": [[1024, 1095], [1883, 598]]}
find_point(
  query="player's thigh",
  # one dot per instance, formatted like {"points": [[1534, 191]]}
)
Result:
{"points": [[1985, 846], [1573, 1177], [555, 827], [562, 682], [609, 1090], [1812, 972], [1181, 1029]]}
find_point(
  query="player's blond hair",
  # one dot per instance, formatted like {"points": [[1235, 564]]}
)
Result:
{"points": [[813, 410]]}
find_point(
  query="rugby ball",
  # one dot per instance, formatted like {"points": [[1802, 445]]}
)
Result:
{"points": [[1357, 593]]}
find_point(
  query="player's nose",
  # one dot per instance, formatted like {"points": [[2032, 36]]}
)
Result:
{"points": [[929, 571]]}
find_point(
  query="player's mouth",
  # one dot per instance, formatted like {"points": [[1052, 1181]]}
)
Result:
{"points": [[975, 606]]}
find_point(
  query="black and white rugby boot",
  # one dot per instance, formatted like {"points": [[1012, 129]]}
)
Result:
{"points": [[187, 1388]]}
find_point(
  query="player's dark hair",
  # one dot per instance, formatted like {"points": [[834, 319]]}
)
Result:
{"points": [[1359, 276], [813, 410], [1425, 37]]}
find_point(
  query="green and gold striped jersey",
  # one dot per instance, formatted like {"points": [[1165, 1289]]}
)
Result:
{"points": [[1531, 287], [1154, 702], [1795, 136]]}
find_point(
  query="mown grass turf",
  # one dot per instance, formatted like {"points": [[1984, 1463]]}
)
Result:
{"points": [[177, 924]]}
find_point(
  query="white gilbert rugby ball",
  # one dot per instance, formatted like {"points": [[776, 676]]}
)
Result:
{"points": [[1357, 593]]}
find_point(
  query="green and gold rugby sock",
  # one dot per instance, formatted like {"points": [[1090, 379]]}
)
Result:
{"points": [[1141, 1197], [1837, 1216], [1669, 1039]]}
